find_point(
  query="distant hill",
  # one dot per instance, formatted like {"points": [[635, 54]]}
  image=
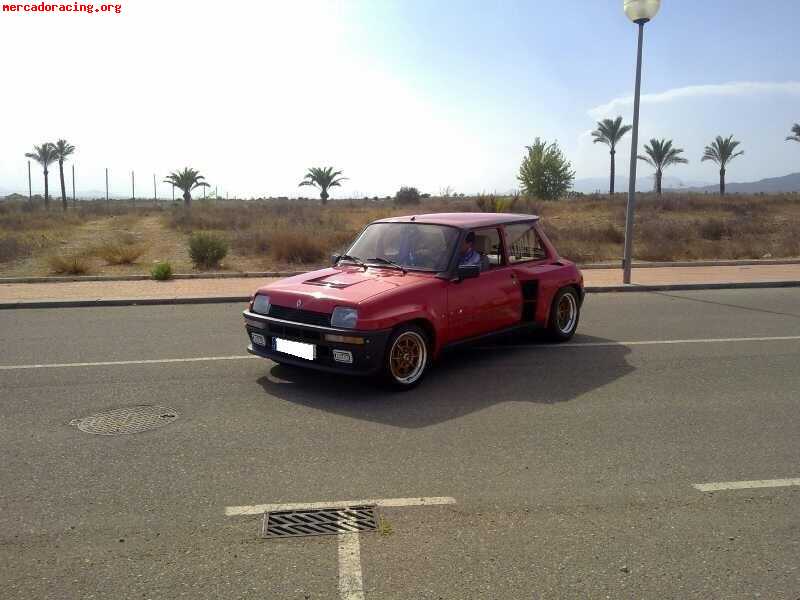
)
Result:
{"points": [[593, 185], [772, 185]]}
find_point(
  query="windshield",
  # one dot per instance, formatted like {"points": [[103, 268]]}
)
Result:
{"points": [[410, 245]]}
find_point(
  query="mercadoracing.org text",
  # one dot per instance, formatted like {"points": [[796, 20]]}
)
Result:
{"points": [[74, 7]]}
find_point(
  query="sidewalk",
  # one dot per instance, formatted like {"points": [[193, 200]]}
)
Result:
{"points": [[240, 289]]}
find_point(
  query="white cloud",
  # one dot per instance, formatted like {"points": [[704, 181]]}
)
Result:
{"points": [[740, 88]]}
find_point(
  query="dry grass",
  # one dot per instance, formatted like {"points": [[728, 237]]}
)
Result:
{"points": [[73, 264], [123, 249], [290, 234], [13, 247]]}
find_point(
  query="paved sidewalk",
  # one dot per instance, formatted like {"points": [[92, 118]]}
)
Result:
{"points": [[236, 288]]}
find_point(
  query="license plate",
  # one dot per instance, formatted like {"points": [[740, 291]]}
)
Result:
{"points": [[298, 349], [258, 339]]}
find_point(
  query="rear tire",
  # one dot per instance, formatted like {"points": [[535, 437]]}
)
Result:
{"points": [[407, 357], [564, 315]]}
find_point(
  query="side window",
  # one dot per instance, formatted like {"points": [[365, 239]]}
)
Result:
{"points": [[524, 243], [487, 244]]}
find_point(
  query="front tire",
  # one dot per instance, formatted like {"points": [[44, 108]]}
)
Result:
{"points": [[407, 357], [564, 315]]}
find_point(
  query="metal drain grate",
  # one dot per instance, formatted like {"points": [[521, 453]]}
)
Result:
{"points": [[325, 521], [122, 421]]}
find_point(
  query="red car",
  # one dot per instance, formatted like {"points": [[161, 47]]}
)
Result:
{"points": [[409, 287]]}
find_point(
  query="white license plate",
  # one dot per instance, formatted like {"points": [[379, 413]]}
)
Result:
{"points": [[258, 339], [298, 349]]}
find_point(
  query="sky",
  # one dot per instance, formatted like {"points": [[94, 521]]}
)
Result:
{"points": [[427, 93]]}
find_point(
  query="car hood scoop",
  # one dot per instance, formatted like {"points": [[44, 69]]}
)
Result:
{"points": [[341, 280]]}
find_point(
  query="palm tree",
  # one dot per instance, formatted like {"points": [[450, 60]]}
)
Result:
{"points": [[660, 155], [63, 151], [45, 155], [722, 151], [610, 132], [322, 178], [186, 181], [795, 137]]}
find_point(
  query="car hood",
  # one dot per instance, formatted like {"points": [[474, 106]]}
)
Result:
{"points": [[322, 290]]}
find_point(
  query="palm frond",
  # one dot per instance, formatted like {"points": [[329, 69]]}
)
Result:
{"points": [[646, 159], [45, 154], [63, 149], [610, 132]]}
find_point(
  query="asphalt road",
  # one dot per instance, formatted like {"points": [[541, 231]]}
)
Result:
{"points": [[571, 467]]}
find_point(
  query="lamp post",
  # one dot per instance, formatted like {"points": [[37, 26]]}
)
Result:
{"points": [[640, 12]]}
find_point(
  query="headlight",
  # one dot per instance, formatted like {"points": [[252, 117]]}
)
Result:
{"points": [[261, 305], [344, 318]]}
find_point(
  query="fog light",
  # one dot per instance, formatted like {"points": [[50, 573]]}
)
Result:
{"points": [[343, 356], [344, 339]]}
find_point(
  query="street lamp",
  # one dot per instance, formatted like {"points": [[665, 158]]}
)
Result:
{"points": [[640, 12]]}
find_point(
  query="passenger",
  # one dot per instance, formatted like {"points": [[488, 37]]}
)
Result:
{"points": [[469, 256]]}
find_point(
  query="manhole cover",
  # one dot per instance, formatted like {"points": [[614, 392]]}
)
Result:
{"points": [[131, 419], [295, 523]]}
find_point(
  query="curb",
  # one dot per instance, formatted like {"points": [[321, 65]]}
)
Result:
{"points": [[695, 263], [675, 287], [77, 278], [266, 274], [123, 302], [244, 299]]}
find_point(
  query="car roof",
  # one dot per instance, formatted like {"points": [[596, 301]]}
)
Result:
{"points": [[463, 220]]}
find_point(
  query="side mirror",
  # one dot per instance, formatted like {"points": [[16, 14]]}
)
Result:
{"points": [[468, 271], [335, 259]]}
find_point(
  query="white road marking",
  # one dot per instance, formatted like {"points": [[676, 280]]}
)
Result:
{"points": [[568, 345], [259, 509], [116, 363], [351, 583], [745, 485]]}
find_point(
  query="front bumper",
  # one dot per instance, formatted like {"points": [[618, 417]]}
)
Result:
{"points": [[367, 357]]}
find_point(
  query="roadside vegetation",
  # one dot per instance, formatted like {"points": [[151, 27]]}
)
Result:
{"points": [[270, 235], [115, 237]]}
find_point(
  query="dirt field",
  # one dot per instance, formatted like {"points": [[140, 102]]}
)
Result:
{"points": [[299, 234]]}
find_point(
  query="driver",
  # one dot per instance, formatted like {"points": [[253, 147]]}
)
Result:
{"points": [[468, 255]]}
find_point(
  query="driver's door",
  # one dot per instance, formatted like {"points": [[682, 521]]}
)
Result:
{"points": [[489, 302]]}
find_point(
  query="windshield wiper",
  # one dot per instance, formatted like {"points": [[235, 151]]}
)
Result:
{"points": [[386, 261], [358, 261]]}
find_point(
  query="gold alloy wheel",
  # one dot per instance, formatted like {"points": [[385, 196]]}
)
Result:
{"points": [[567, 313], [407, 357]]}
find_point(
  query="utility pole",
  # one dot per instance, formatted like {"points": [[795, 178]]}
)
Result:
{"points": [[106, 186], [155, 193], [73, 185], [133, 190], [173, 192], [30, 191]]}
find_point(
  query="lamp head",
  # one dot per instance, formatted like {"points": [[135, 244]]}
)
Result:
{"points": [[641, 11]]}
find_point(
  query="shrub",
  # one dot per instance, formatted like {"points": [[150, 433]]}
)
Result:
{"points": [[298, 247], [115, 253], [714, 229], [491, 203], [161, 271], [407, 195], [252, 242], [12, 248], [207, 250], [73, 264]]}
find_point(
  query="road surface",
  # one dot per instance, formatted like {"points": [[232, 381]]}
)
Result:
{"points": [[542, 472]]}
